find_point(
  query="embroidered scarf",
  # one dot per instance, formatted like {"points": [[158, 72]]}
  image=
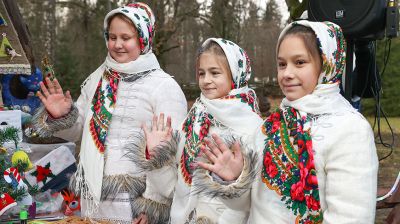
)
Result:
{"points": [[288, 165], [238, 110], [102, 86]]}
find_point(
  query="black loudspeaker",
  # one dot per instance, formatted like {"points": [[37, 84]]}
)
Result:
{"points": [[359, 19], [392, 20]]}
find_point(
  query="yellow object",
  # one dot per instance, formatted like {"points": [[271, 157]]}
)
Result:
{"points": [[22, 157], [3, 150]]}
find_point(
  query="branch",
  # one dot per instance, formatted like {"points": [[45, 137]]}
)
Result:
{"points": [[296, 8], [168, 49]]}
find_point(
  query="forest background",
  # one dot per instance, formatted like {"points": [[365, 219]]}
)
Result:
{"points": [[70, 32]]}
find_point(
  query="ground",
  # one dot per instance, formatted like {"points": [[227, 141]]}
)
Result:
{"points": [[389, 167]]}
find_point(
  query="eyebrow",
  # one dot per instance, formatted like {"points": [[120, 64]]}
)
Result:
{"points": [[293, 56], [212, 68]]}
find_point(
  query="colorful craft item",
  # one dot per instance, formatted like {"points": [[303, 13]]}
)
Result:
{"points": [[6, 202], [32, 82], [42, 173], [21, 159], [6, 49], [12, 177], [52, 171], [2, 21], [4, 43], [72, 203], [48, 71]]}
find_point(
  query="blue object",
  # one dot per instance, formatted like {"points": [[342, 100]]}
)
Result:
{"points": [[31, 82], [28, 104]]}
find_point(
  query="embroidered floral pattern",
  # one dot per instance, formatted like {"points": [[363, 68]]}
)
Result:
{"points": [[249, 99], [103, 104], [242, 74], [288, 165], [194, 140], [142, 17], [339, 54]]}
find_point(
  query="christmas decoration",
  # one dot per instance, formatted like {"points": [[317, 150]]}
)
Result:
{"points": [[6, 49], [42, 173], [6, 202], [12, 186], [52, 171], [12, 177], [47, 68], [21, 159], [4, 43]]}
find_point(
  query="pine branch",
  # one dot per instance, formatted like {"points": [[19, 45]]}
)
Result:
{"points": [[11, 134]]}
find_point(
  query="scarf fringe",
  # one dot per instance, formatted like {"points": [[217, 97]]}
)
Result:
{"points": [[164, 154], [208, 186], [157, 213], [80, 187], [45, 126]]}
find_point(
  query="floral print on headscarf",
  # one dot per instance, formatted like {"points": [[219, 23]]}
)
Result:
{"points": [[239, 62], [333, 49], [241, 101], [288, 165], [143, 19]]}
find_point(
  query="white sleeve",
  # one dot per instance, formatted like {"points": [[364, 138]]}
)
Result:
{"points": [[351, 167], [169, 99]]}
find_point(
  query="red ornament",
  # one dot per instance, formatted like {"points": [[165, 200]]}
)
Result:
{"points": [[42, 173], [6, 202]]}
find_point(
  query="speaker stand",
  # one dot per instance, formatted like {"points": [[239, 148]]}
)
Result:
{"points": [[349, 70]]}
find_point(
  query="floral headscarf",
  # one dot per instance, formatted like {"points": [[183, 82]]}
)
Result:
{"points": [[143, 19], [288, 165], [239, 62], [332, 46], [237, 111]]}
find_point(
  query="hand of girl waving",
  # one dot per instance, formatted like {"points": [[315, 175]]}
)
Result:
{"points": [[158, 133], [53, 98], [226, 163]]}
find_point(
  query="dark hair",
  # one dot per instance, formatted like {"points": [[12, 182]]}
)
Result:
{"points": [[309, 38], [120, 16]]}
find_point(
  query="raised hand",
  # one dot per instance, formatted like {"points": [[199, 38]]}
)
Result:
{"points": [[53, 98], [226, 163], [158, 133]]}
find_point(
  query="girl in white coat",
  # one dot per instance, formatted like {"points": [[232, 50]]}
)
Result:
{"points": [[227, 107], [318, 161], [128, 89]]}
